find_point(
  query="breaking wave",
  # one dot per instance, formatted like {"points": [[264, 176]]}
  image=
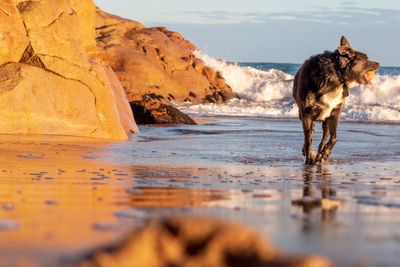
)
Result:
{"points": [[268, 92]]}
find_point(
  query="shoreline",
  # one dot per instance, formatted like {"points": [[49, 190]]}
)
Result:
{"points": [[204, 117]]}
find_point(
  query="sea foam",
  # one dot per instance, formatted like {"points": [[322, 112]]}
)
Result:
{"points": [[269, 93]]}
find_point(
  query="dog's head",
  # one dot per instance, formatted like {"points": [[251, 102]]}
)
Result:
{"points": [[355, 64]]}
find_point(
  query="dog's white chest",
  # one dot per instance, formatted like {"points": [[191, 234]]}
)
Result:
{"points": [[329, 102]]}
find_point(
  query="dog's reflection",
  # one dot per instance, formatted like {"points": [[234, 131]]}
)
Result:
{"points": [[318, 197]]}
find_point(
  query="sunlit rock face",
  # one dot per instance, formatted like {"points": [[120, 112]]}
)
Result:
{"points": [[51, 81], [156, 63]]}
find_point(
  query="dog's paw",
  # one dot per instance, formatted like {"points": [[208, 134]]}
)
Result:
{"points": [[310, 159], [321, 159]]}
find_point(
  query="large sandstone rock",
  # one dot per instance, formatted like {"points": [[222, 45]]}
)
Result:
{"points": [[156, 61], [51, 82], [196, 242]]}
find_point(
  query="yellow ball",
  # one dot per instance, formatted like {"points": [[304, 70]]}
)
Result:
{"points": [[371, 75]]}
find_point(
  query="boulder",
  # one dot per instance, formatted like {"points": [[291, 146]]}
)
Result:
{"points": [[149, 111], [156, 61], [51, 81], [195, 242]]}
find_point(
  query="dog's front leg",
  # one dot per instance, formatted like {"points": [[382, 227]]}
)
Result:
{"points": [[325, 135], [332, 125], [309, 129]]}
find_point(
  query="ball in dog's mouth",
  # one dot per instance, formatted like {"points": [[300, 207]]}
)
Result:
{"points": [[369, 77]]}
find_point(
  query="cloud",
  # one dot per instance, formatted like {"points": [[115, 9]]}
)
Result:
{"points": [[344, 14], [349, 3], [223, 17]]}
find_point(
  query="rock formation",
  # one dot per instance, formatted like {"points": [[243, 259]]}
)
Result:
{"points": [[55, 79], [156, 64], [50, 79], [149, 111], [196, 242]]}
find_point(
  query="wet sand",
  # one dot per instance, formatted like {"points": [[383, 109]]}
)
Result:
{"points": [[62, 197]]}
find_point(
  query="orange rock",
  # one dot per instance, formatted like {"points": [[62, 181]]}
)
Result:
{"points": [[156, 61], [177, 37], [12, 33], [52, 82], [123, 106]]}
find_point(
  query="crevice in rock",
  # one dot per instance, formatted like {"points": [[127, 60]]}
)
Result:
{"points": [[70, 79], [102, 35], [60, 58], [27, 6], [106, 26], [26, 28], [81, 82], [94, 130], [30, 58], [5, 12], [73, 12], [10, 77], [75, 80]]}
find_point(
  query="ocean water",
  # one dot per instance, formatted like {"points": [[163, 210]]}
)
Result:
{"points": [[265, 90]]}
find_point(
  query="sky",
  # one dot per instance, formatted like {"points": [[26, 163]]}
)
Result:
{"points": [[285, 31]]}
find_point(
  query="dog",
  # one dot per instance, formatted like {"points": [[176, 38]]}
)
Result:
{"points": [[320, 87]]}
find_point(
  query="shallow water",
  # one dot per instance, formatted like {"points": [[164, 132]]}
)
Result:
{"points": [[253, 142], [62, 198]]}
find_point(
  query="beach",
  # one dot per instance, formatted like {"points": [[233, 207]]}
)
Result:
{"points": [[125, 144], [63, 197]]}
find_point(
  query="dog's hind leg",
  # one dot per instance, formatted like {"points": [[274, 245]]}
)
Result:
{"points": [[309, 129], [325, 135], [332, 125]]}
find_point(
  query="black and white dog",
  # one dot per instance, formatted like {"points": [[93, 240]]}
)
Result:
{"points": [[320, 88]]}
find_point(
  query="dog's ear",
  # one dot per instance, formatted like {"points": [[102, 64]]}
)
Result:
{"points": [[344, 42], [345, 48]]}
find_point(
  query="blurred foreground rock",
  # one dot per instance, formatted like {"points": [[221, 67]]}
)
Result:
{"points": [[195, 242]]}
